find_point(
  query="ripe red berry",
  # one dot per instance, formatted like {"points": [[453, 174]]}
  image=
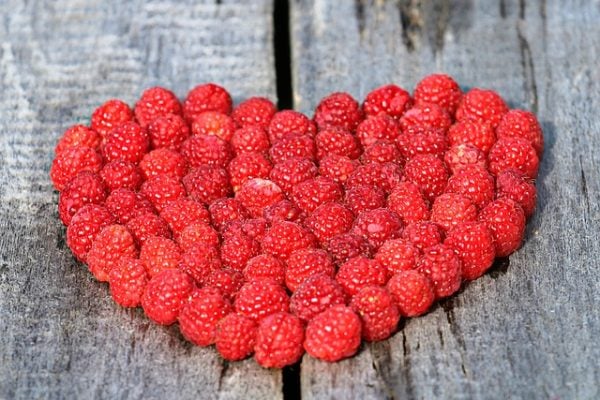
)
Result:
{"points": [[247, 166], [412, 291], [226, 209], [254, 111], [292, 146], [408, 202], [523, 124], [390, 100], [260, 299], [126, 204], [414, 144], [226, 280], [337, 168], [206, 97], [84, 226], [207, 183], [451, 209], [378, 312], [165, 295], [422, 234], [334, 334], [290, 122], [70, 162], [359, 272], [198, 232], [439, 89], [214, 123], [474, 244], [121, 175], [338, 142], [346, 246], [481, 105], [377, 226], [517, 187], [377, 127], [315, 295], [200, 315], [256, 194], [384, 176], [304, 263], [78, 136], [443, 267], [161, 190], [311, 193], [283, 210], [250, 138], [425, 115], [199, 261], [473, 182], [382, 151], [206, 150], [237, 249], [338, 110], [109, 116], [362, 198], [85, 188], [265, 267], [506, 220], [128, 280], [156, 102], [513, 153], [329, 220], [478, 134], [290, 172], [279, 340], [163, 161], [168, 131], [145, 225], [284, 237], [159, 253], [235, 337], [428, 173], [183, 212], [463, 155], [128, 142], [397, 255], [111, 244]]}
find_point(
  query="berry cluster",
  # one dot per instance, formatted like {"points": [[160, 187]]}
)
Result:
{"points": [[266, 232]]}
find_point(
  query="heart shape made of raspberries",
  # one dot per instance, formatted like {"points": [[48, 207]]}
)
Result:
{"points": [[266, 232]]}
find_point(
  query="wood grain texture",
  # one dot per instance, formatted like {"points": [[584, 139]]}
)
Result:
{"points": [[61, 336], [528, 331]]}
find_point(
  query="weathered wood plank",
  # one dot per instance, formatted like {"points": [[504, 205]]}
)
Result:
{"points": [[61, 336], [528, 331]]}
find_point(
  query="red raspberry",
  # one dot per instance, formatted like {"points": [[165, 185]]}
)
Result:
{"points": [[514, 185], [252, 227], [481, 105], [290, 122], [474, 244], [346, 246], [443, 268], [414, 144], [361, 198], [329, 220], [183, 212], [199, 261], [235, 337], [85, 188], [168, 131], [473, 182], [250, 138], [377, 127], [451, 209], [77, 136], [513, 153], [200, 315], [126, 204], [70, 162], [283, 210], [121, 175], [311, 193], [377, 226], [292, 171], [382, 151], [207, 183], [338, 110], [214, 123], [145, 225], [506, 220], [257, 194], [227, 280], [85, 225], [206, 97], [292, 146], [408, 202], [198, 232], [338, 142], [462, 155], [384, 176], [260, 299], [225, 210], [109, 116], [165, 295], [478, 134], [279, 340], [254, 111], [163, 162], [378, 312], [412, 291], [389, 100], [237, 249], [359, 272], [315, 295], [109, 246], [284, 237], [422, 234], [523, 124], [128, 280], [159, 253], [304, 263], [247, 166], [397, 255], [128, 142], [162, 190], [265, 267], [427, 115], [206, 150], [337, 168], [156, 102], [428, 173], [439, 89], [333, 334]]}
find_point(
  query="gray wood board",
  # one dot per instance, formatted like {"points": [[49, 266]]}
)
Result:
{"points": [[527, 331]]}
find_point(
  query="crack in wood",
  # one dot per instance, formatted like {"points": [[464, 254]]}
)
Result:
{"points": [[411, 22], [528, 69], [359, 10], [283, 54]]}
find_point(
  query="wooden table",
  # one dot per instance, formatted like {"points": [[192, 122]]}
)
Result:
{"points": [[527, 330]]}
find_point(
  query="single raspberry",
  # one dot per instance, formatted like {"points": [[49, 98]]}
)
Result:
{"points": [[182, 212], [443, 267], [337, 168], [292, 146], [451, 209], [224, 210], [85, 188], [439, 89], [514, 185], [304, 263], [390, 100], [292, 171], [145, 225], [414, 144], [265, 267], [198, 232], [338, 142], [382, 151], [506, 220], [333, 334], [384, 176], [284, 237], [168, 131], [250, 138], [109, 116], [214, 123], [227, 280], [199, 261], [474, 244], [254, 111], [252, 227], [377, 226], [378, 312], [359, 272], [111, 244], [78, 136], [165, 295], [361, 198], [163, 161], [125, 204], [279, 340], [377, 127], [206, 150], [346, 246], [200, 315], [283, 210], [311, 193], [481, 105], [156, 102], [260, 299], [315, 295], [408, 202], [257, 194], [329, 220], [206, 97], [513, 153], [523, 124], [237, 249], [128, 142], [462, 155], [429, 173], [338, 110], [422, 234], [128, 280], [412, 291], [85, 225], [478, 134], [473, 182], [235, 337], [162, 190], [426, 114], [247, 166], [70, 162], [121, 175], [207, 183], [290, 122], [397, 255], [159, 253]]}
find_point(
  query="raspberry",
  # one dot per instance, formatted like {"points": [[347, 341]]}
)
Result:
{"points": [[162, 190], [513, 153], [473, 182], [284, 237], [384, 176], [168, 131], [112, 243], [163, 162], [427, 115], [156, 102], [121, 175], [85, 188], [397, 255], [451, 209], [283, 210], [206, 150], [382, 151], [462, 155], [227, 280], [291, 146], [250, 138], [290, 122], [159, 253], [377, 127], [523, 124], [145, 225], [329, 220], [506, 220], [214, 123], [378, 312], [428, 173], [337, 168], [224, 210], [359, 272], [77, 136], [254, 111], [389, 100], [200, 315], [237, 249], [182, 212], [478, 134], [265, 267], [207, 183], [481, 105], [199, 261], [422, 234], [304, 263], [126, 204], [252, 227], [279, 340], [338, 110], [128, 142], [315, 295], [85, 225], [247, 166], [346, 246], [412, 291], [443, 268], [474, 244], [206, 97], [377, 226], [292, 171], [257, 194], [515, 186], [338, 142], [414, 144], [198, 232], [235, 337], [109, 116], [128, 281], [361, 198], [333, 334], [165, 295], [260, 299], [70, 162], [408, 202], [311, 193], [439, 89]]}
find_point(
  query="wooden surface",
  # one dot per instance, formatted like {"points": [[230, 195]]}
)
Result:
{"points": [[527, 330]]}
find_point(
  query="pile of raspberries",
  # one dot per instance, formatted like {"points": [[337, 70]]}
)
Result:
{"points": [[269, 233]]}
